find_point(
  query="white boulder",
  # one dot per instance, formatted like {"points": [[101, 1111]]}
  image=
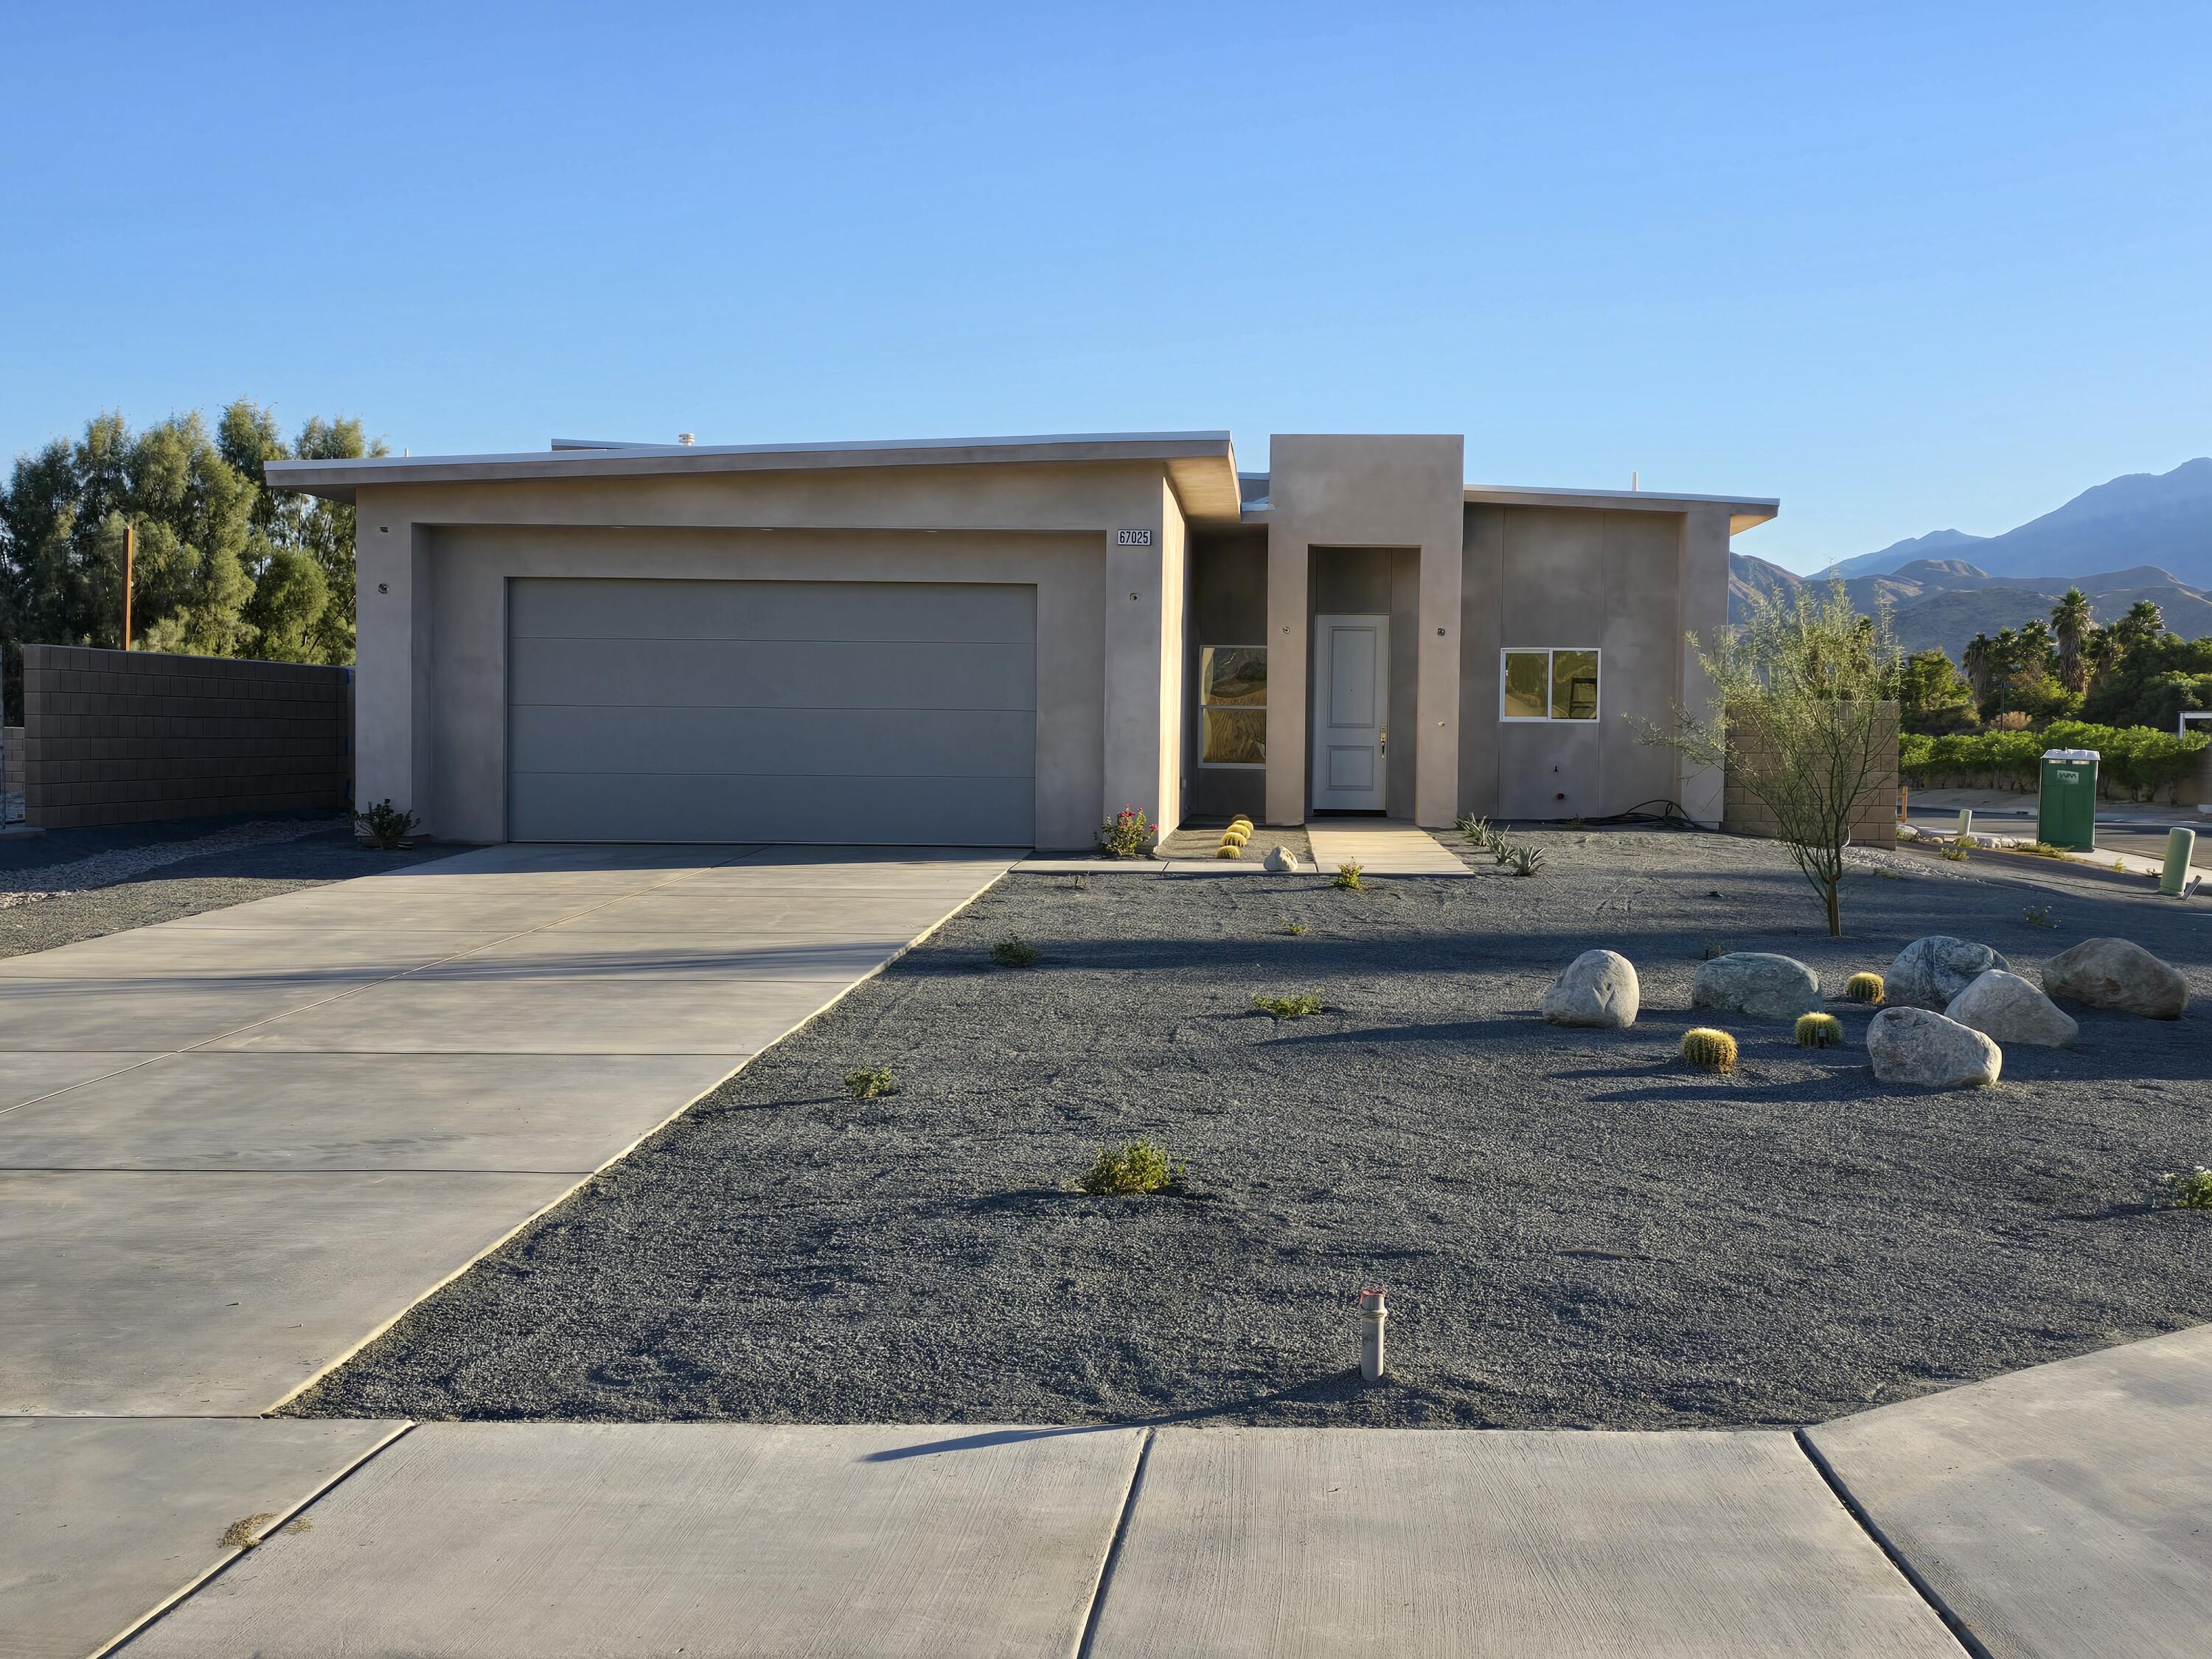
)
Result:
{"points": [[1598, 988], [1281, 861], [2116, 973], [1757, 983], [1928, 972], [2007, 1007], [1920, 1047]]}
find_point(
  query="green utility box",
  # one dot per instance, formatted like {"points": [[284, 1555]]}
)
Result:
{"points": [[2066, 804]]}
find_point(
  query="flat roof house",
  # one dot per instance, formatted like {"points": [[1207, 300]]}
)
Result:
{"points": [[999, 642]]}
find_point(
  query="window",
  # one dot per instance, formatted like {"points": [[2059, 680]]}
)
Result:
{"points": [[1548, 685], [1232, 701]]}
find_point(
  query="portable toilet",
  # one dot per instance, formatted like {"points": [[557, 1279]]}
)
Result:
{"points": [[2066, 801]]}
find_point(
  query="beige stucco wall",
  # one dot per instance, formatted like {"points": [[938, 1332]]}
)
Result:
{"points": [[1364, 491], [1628, 581], [433, 559]]}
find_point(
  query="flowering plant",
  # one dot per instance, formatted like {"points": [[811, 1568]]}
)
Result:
{"points": [[1126, 835]]}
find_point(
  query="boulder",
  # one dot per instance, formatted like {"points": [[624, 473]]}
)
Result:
{"points": [[1920, 1047], [2007, 1007], [1928, 972], [1757, 983], [1281, 861], [2115, 973], [1598, 988]]}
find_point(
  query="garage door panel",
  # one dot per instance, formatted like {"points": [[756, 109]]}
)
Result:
{"points": [[792, 742], [946, 612], [890, 810], [771, 674], [735, 711]]}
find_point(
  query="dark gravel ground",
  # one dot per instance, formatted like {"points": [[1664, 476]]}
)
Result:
{"points": [[184, 888], [1576, 1231]]}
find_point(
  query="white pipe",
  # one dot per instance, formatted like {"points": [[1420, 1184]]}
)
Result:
{"points": [[1373, 1311]]}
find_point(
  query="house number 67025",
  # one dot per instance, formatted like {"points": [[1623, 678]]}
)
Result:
{"points": [[1132, 538]]}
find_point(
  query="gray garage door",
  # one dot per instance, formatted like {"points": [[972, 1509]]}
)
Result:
{"points": [[717, 711]]}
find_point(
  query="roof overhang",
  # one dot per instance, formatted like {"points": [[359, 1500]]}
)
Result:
{"points": [[1744, 511], [1201, 466]]}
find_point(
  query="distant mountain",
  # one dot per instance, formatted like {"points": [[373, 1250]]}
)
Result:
{"points": [[1946, 602], [2162, 520], [1904, 553]]}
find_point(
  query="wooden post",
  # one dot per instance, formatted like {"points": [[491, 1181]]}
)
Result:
{"points": [[130, 560]]}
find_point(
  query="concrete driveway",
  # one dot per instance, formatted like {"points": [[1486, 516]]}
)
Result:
{"points": [[234, 1147]]}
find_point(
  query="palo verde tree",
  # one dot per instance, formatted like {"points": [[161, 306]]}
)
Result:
{"points": [[1802, 721]]}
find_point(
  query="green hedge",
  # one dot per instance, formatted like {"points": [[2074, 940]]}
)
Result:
{"points": [[2141, 759]]}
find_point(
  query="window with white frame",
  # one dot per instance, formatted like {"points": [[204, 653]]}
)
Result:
{"points": [[1556, 683], [1232, 705]]}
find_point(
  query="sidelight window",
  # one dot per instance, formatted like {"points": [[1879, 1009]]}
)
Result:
{"points": [[1232, 699]]}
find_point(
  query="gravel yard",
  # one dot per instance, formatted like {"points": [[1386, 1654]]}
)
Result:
{"points": [[1575, 1229], [74, 885]]}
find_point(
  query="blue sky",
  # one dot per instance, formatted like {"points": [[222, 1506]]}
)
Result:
{"points": [[1903, 266]]}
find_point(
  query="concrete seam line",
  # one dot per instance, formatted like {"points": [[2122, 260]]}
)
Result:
{"points": [[1961, 1632], [176, 1598], [559, 1199], [1084, 1647]]}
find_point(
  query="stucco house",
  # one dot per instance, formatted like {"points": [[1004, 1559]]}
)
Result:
{"points": [[999, 642]]}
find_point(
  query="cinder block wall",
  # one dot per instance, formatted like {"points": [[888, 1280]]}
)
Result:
{"points": [[12, 741], [1875, 825], [115, 737]]}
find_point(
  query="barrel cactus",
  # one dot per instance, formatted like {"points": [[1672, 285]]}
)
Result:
{"points": [[1712, 1051], [1819, 1031], [1863, 988]]}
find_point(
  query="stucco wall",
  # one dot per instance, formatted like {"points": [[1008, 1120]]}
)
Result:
{"points": [[1374, 492], [1543, 577], [433, 559]]}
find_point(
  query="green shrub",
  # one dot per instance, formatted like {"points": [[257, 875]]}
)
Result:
{"points": [[1126, 835], [1130, 1170], [1291, 1007], [873, 1083], [1863, 988], [1013, 951], [2142, 760], [1295, 928], [1477, 830], [2192, 1191], [1956, 852], [1348, 876], [1819, 1031], [1526, 861], [385, 827], [1713, 1051], [2038, 915]]}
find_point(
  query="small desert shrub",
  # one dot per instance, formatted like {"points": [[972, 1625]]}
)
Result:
{"points": [[1295, 929], [1126, 835], [1717, 947], [1013, 951], [1526, 861], [385, 827], [871, 1083], [1574, 823], [1956, 852], [1863, 988], [1714, 1051], [1819, 1031], [2192, 1191], [2042, 849], [1348, 875], [2038, 915], [1292, 1007], [1130, 1170]]}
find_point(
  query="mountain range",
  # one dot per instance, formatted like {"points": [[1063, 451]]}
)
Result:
{"points": [[2146, 536]]}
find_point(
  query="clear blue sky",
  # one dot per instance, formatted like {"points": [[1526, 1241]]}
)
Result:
{"points": [[1903, 266]]}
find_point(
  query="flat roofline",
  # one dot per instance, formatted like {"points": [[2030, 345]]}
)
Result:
{"points": [[1744, 511], [337, 479]]}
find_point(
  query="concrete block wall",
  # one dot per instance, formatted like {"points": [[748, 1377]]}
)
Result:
{"points": [[12, 741], [1873, 825], [115, 737]]}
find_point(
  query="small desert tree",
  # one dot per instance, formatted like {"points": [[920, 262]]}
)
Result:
{"points": [[1801, 720]]}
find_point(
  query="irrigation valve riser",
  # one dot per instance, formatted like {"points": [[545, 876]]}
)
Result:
{"points": [[1373, 1312]]}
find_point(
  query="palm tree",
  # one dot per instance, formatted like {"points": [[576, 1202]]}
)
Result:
{"points": [[2004, 663], [1976, 661], [2143, 623], [2071, 620]]}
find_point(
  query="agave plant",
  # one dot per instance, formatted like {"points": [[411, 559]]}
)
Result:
{"points": [[1526, 861]]}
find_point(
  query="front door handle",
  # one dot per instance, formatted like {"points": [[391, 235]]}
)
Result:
{"points": [[1383, 747]]}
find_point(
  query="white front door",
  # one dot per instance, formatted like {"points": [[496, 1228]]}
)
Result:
{"points": [[1351, 711]]}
